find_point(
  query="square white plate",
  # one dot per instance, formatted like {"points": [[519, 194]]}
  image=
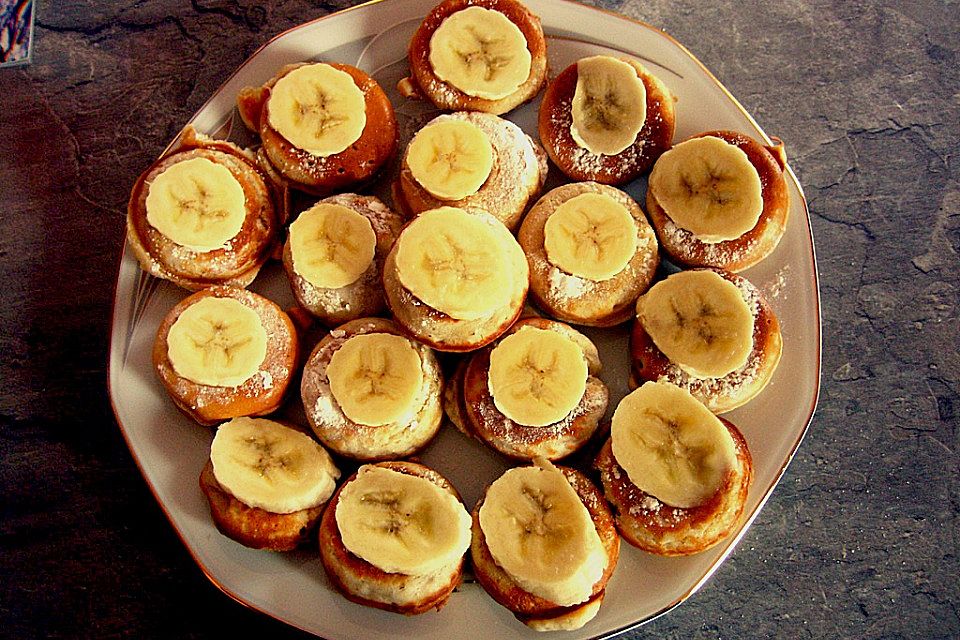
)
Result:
{"points": [[171, 450]]}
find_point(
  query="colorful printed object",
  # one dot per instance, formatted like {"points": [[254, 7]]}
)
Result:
{"points": [[16, 31]]}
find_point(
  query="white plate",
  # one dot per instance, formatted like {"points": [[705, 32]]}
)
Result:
{"points": [[171, 450]]}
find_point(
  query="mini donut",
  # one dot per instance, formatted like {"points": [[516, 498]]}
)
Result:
{"points": [[578, 162], [239, 259], [483, 419], [362, 582], [423, 81], [733, 390], [258, 395], [581, 300], [518, 172], [349, 438], [323, 174], [364, 296], [685, 248]]}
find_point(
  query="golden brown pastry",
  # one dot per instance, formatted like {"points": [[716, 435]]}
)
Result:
{"points": [[334, 256], [722, 336], [544, 545], [534, 393], [471, 160], [324, 127], [394, 537], [591, 253], [455, 68], [719, 199], [267, 483], [676, 475], [456, 279], [606, 119], [202, 215], [371, 393], [225, 352]]}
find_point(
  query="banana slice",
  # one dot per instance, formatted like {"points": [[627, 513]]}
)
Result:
{"points": [[700, 321], [332, 245], [609, 105], [267, 465], [451, 159], [318, 108], [401, 523], [376, 378], [456, 262], [591, 235], [197, 203], [542, 535], [708, 187], [217, 342], [537, 376], [670, 445], [480, 52]]}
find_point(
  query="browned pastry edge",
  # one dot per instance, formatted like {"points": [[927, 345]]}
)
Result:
{"points": [[735, 389], [340, 564], [210, 405], [446, 96], [653, 526], [254, 243], [754, 245], [323, 175], [364, 296], [488, 424], [254, 527], [612, 300], [556, 117], [530, 609]]}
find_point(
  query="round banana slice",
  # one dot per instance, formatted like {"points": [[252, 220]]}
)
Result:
{"points": [[537, 377], [218, 342], [670, 445], [542, 535], [401, 523], [590, 235], [708, 187], [376, 378], [450, 159], [317, 108], [609, 105], [331, 245], [480, 52], [267, 465], [455, 262], [197, 203], [700, 321]]}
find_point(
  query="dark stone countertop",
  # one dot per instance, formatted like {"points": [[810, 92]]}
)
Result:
{"points": [[860, 539]]}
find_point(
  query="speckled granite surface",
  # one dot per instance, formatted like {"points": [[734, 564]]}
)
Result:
{"points": [[859, 540]]}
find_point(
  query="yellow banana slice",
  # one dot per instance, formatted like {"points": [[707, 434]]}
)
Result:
{"points": [[451, 159], [542, 535], [670, 445], [267, 465], [456, 262], [700, 321], [376, 378], [318, 108], [708, 187], [590, 235], [217, 342], [537, 376], [401, 523], [197, 203], [332, 245], [609, 105], [480, 52]]}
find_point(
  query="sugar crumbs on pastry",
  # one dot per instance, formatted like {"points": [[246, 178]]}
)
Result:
{"points": [[564, 286]]}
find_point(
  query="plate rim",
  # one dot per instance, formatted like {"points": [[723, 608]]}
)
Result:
{"points": [[768, 491]]}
